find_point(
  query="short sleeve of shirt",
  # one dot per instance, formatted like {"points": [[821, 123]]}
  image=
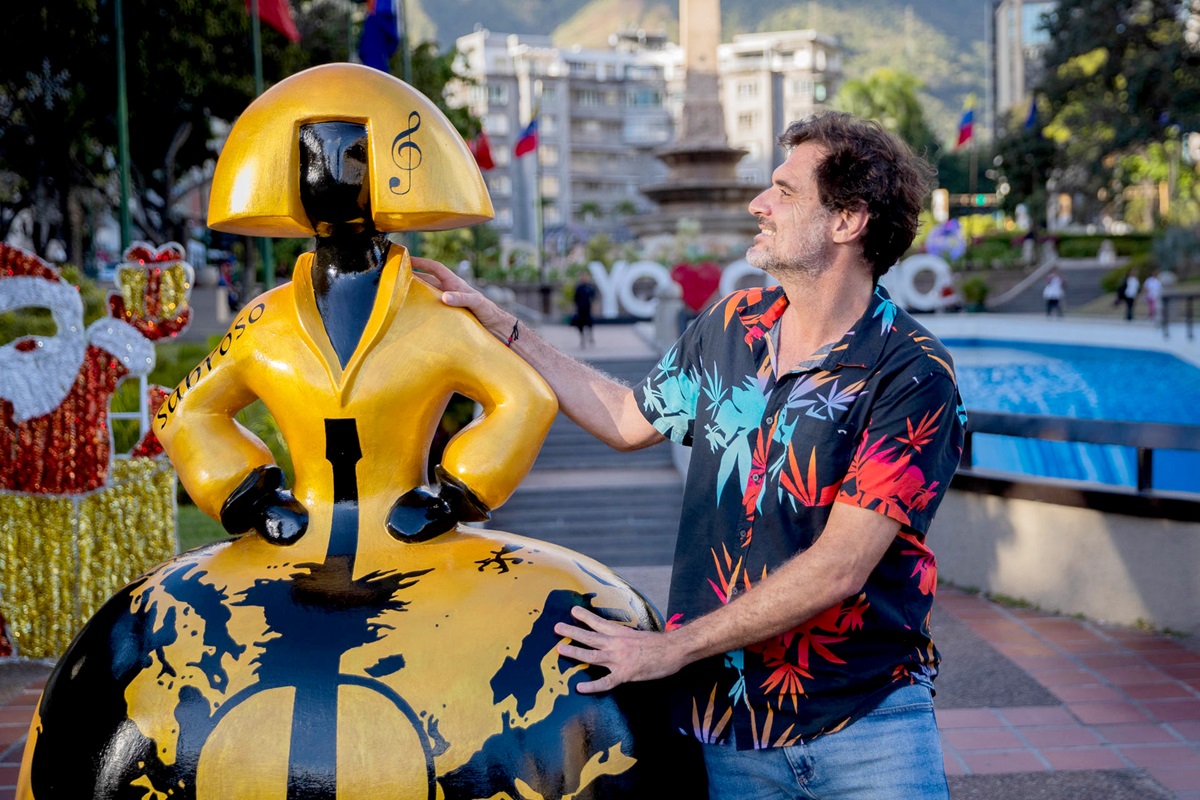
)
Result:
{"points": [[909, 451], [669, 394]]}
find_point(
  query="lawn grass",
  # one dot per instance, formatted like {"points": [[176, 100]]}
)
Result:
{"points": [[197, 528]]}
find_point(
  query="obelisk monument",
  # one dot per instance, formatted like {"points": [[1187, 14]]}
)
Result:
{"points": [[701, 183]]}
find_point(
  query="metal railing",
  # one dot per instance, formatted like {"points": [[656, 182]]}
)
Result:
{"points": [[1189, 297], [1144, 437]]}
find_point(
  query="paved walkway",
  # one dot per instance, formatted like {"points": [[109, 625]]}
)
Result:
{"points": [[1036, 705]]}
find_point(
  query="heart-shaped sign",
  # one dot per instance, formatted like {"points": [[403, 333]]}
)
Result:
{"points": [[699, 282], [146, 253]]}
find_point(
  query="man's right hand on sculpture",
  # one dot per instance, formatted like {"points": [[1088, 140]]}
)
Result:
{"points": [[458, 293]]}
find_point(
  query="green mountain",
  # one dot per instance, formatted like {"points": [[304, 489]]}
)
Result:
{"points": [[941, 42]]}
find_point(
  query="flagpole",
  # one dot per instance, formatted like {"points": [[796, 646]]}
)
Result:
{"points": [[539, 210], [972, 181], [123, 128], [264, 245], [402, 33], [414, 237]]}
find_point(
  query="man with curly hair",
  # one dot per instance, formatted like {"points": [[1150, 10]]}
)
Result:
{"points": [[825, 425]]}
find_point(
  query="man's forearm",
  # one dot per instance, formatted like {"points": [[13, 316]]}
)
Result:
{"points": [[596, 402], [834, 568]]}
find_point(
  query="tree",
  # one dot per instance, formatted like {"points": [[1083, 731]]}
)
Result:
{"points": [[186, 62], [432, 71], [1119, 73], [954, 170], [890, 97], [189, 64], [590, 210], [1024, 161], [1120, 77]]}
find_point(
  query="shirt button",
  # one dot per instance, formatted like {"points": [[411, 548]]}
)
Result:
{"points": [[770, 419]]}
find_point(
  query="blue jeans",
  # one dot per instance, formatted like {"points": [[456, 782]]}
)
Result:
{"points": [[892, 753]]}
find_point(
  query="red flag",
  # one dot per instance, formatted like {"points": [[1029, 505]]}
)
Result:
{"points": [[529, 139], [277, 14], [482, 150]]}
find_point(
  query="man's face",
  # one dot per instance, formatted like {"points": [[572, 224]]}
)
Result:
{"points": [[795, 228]]}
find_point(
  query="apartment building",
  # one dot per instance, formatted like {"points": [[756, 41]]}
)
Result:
{"points": [[1017, 43], [604, 114], [769, 80]]}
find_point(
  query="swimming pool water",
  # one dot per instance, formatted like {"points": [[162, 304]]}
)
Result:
{"points": [[1083, 382]]}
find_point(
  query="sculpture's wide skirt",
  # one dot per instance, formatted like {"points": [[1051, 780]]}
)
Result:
{"points": [[428, 670]]}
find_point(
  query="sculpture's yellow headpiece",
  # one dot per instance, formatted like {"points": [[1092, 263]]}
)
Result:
{"points": [[422, 175]]}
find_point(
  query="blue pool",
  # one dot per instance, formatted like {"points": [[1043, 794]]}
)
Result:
{"points": [[1086, 383]]}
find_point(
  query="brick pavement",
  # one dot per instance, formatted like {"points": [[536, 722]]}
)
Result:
{"points": [[1127, 700]]}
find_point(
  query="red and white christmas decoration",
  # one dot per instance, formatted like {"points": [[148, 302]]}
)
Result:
{"points": [[55, 390]]}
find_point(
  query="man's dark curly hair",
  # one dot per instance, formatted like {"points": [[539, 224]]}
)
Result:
{"points": [[866, 166]]}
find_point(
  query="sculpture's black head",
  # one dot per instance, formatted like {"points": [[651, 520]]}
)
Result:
{"points": [[333, 174]]}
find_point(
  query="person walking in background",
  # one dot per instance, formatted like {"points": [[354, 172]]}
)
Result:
{"points": [[1153, 288], [1054, 293], [1129, 292], [585, 297], [824, 424]]}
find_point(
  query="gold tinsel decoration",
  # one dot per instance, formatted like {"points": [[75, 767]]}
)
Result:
{"points": [[132, 283], [173, 290], [62, 557]]}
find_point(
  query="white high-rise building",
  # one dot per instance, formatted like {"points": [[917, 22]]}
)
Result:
{"points": [[602, 114], [769, 80], [1017, 44]]}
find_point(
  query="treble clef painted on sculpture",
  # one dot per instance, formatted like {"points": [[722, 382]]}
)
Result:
{"points": [[406, 155]]}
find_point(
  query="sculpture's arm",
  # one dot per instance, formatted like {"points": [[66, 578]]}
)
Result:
{"points": [[483, 463], [227, 470], [492, 455]]}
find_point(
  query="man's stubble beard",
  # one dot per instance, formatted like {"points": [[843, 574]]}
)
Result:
{"points": [[810, 259]]}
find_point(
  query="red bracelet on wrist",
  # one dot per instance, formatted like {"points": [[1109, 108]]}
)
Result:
{"points": [[512, 337]]}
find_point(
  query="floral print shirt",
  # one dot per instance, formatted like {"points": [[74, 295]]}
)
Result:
{"points": [[876, 422]]}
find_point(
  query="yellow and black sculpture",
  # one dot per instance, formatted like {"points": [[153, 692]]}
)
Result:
{"points": [[356, 642]]}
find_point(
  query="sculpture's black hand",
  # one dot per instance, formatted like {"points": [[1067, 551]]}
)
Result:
{"points": [[262, 504], [284, 519], [425, 512]]}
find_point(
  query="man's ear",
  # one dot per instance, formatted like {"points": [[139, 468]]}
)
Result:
{"points": [[850, 224]]}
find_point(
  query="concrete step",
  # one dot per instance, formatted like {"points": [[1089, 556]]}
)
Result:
{"points": [[1082, 287], [569, 446], [621, 509], [565, 448], [615, 547], [616, 525], [608, 501]]}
